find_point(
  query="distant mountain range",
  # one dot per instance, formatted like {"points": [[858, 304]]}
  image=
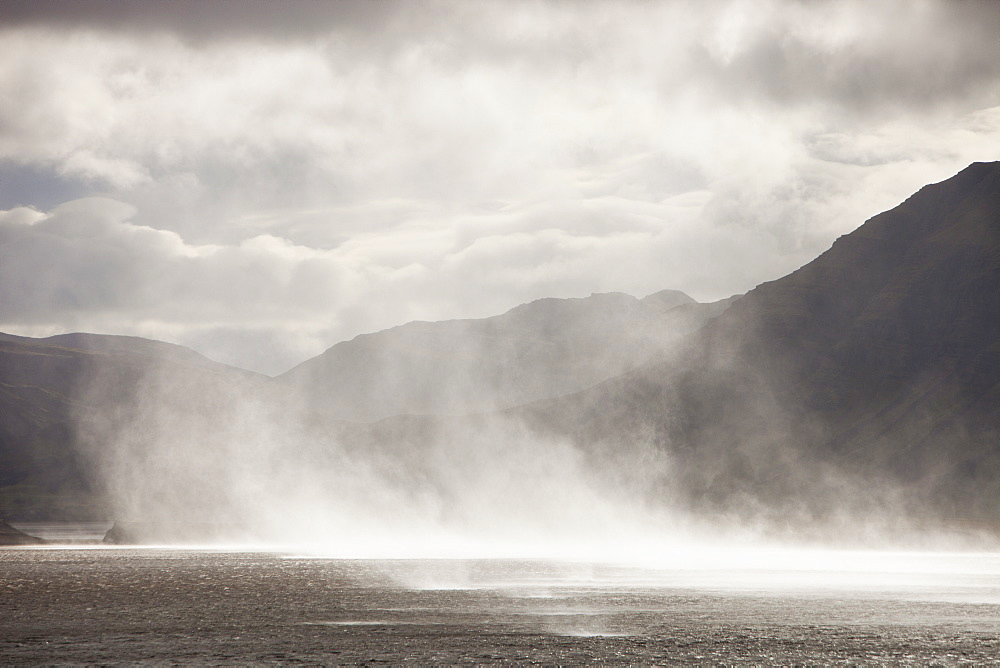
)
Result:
{"points": [[55, 392], [856, 399], [548, 348], [858, 394]]}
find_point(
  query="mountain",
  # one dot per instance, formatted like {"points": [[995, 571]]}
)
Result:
{"points": [[55, 390], [89, 422], [546, 348], [864, 386], [111, 344], [856, 399]]}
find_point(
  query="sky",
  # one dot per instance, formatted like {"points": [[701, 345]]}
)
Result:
{"points": [[259, 181]]}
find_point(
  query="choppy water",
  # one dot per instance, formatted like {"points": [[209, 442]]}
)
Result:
{"points": [[105, 605]]}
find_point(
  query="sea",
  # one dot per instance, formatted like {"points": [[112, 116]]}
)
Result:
{"points": [[84, 603]]}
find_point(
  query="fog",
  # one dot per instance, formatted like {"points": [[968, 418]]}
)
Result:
{"points": [[248, 463], [492, 490], [261, 183], [814, 410]]}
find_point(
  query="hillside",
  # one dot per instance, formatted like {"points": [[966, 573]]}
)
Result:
{"points": [[855, 400], [864, 387], [543, 349], [95, 425], [53, 391]]}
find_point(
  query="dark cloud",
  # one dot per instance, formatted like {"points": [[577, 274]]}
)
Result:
{"points": [[863, 58], [286, 19]]}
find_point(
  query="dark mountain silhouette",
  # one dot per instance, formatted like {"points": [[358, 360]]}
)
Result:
{"points": [[547, 348], [866, 382]]}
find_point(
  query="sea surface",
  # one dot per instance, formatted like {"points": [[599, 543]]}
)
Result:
{"points": [[101, 605]]}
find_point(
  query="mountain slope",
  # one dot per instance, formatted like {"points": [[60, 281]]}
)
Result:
{"points": [[852, 399], [53, 390], [865, 383], [547, 348]]}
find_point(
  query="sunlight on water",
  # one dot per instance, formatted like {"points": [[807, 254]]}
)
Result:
{"points": [[694, 606], [554, 570], [361, 623], [940, 576]]}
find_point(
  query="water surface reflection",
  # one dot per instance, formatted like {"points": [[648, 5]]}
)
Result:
{"points": [[99, 606]]}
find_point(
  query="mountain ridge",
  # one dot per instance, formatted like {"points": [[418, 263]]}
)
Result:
{"points": [[875, 367], [543, 348], [64, 398], [857, 398]]}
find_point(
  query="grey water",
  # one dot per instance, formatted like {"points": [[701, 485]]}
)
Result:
{"points": [[166, 605]]}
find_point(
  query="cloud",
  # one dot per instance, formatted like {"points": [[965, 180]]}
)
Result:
{"points": [[201, 20], [316, 170], [87, 264], [857, 57]]}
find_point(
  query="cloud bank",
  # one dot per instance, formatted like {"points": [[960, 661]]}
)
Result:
{"points": [[261, 182]]}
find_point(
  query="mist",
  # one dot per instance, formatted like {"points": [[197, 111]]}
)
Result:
{"points": [[644, 332], [393, 218], [846, 404], [250, 462], [592, 475]]}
